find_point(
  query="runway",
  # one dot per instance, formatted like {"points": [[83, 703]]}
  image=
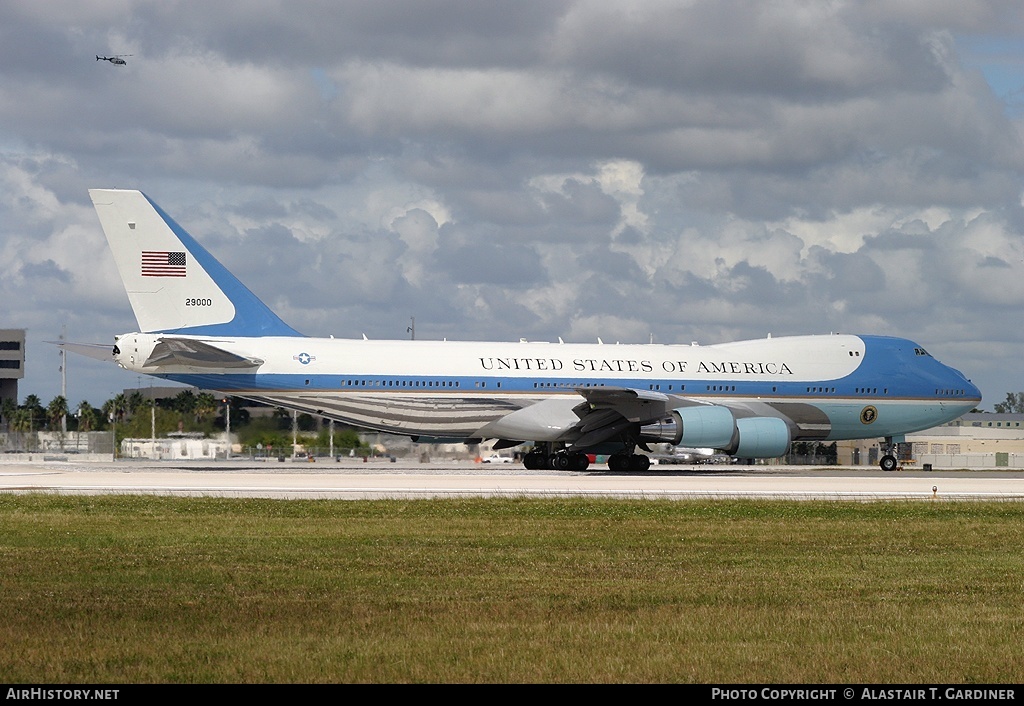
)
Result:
{"points": [[352, 479]]}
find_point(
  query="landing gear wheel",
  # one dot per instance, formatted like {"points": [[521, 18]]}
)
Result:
{"points": [[618, 463], [560, 462], [636, 463], [534, 461], [888, 463], [580, 462], [639, 463]]}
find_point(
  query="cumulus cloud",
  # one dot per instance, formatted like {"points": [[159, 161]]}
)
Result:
{"points": [[689, 171]]}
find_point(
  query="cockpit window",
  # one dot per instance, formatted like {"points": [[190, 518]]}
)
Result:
{"points": [[920, 351]]}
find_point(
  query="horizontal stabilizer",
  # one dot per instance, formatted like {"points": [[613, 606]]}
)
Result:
{"points": [[196, 354], [99, 351]]}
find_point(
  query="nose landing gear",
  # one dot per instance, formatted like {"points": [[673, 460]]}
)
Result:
{"points": [[889, 460]]}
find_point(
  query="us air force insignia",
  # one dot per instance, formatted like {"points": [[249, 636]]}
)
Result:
{"points": [[868, 415], [306, 359]]}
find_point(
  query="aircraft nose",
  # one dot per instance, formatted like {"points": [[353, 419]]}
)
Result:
{"points": [[973, 391], [959, 380]]}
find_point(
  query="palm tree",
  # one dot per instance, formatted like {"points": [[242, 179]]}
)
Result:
{"points": [[282, 417], [24, 422], [57, 410], [114, 408], [86, 416], [185, 402], [135, 402], [35, 411], [206, 404], [21, 420], [7, 409]]}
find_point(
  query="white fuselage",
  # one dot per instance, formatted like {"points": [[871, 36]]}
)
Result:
{"points": [[456, 389]]}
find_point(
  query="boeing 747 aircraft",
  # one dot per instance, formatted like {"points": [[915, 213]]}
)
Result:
{"points": [[199, 325]]}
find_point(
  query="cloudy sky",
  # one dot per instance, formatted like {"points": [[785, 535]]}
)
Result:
{"points": [[706, 171]]}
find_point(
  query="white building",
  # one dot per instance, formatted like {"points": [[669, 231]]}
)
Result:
{"points": [[178, 447], [978, 440]]}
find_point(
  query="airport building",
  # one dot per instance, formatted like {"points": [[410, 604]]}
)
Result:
{"points": [[12, 361], [980, 440], [177, 447], [976, 440]]}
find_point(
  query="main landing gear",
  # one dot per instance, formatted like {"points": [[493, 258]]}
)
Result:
{"points": [[545, 459], [628, 462], [559, 461]]}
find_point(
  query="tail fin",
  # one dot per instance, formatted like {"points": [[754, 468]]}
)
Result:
{"points": [[174, 285]]}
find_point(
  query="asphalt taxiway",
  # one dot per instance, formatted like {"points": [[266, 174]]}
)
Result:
{"points": [[352, 479]]}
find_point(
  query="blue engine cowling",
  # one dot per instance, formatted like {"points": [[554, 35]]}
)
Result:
{"points": [[715, 427], [761, 437]]}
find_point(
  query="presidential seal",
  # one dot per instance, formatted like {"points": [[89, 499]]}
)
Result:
{"points": [[868, 415]]}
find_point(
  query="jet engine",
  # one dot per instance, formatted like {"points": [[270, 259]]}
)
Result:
{"points": [[715, 426]]}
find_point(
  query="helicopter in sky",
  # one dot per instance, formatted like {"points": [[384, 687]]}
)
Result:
{"points": [[115, 59]]}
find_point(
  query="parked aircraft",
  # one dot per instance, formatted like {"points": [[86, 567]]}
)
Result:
{"points": [[689, 456], [200, 325]]}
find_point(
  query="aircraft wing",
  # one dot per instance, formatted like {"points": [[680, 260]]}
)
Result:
{"points": [[608, 413], [603, 414], [611, 410], [196, 354], [633, 404]]}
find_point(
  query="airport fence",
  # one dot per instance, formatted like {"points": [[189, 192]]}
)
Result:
{"points": [[55, 442]]}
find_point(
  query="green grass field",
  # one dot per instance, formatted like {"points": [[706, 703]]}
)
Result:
{"points": [[133, 589]]}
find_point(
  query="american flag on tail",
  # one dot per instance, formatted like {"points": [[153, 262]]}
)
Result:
{"points": [[161, 263]]}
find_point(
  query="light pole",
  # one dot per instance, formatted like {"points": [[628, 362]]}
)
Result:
{"points": [[63, 381], [227, 426]]}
